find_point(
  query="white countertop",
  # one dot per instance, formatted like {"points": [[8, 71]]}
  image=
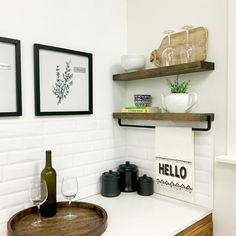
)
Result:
{"points": [[132, 214]]}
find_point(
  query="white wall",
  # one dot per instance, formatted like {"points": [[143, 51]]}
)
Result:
{"points": [[146, 22], [231, 78], [225, 178], [85, 145]]}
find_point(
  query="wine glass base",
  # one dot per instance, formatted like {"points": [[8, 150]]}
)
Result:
{"points": [[70, 217], [37, 223]]}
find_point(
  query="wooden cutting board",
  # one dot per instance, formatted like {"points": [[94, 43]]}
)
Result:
{"points": [[197, 36]]}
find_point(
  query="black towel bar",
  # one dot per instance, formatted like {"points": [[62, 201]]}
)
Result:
{"points": [[152, 127]]}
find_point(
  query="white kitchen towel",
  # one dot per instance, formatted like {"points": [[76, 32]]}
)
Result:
{"points": [[174, 153]]}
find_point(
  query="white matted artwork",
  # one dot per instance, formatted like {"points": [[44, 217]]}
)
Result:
{"points": [[10, 77], [63, 81]]}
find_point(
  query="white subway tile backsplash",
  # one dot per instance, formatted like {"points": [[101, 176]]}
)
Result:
{"points": [[89, 190], [115, 153], [11, 144], [203, 200], [14, 186], [106, 123], [201, 138], [87, 158], [62, 139], [3, 159], [21, 156], [203, 163], [136, 151], [33, 142], [1, 174], [203, 150], [203, 188], [12, 130], [59, 126], [86, 124], [147, 165], [203, 176], [17, 171], [102, 145], [75, 171], [147, 139], [88, 180], [69, 149], [12, 200], [63, 163], [118, 143], [131, 137], [99, 135]]}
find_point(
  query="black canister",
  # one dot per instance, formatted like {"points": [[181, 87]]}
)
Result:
{"points": [[145, 185], [110, 184], [128, 177]]}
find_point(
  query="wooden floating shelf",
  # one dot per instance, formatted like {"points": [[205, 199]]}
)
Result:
{"points": [[192, 67], [165, 116]]}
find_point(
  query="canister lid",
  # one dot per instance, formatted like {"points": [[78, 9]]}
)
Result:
{"points": [[127, 167], [111, 175], [145, 179]]}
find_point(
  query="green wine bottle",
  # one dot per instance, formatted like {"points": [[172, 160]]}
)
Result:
{"points": [[48, 208]]}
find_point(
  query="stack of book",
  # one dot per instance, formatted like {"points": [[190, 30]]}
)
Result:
{"points": [[142, 109]]}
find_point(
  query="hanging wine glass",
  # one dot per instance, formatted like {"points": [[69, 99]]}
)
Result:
{"points": [[69, 189], [38, 194], [169, 54], [188, 50]]}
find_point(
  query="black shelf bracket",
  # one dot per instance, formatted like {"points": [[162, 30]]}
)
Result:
{"points": [[152, 127]]}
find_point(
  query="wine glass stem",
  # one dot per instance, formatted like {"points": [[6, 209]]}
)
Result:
{"points": [[39, 216], [69, 207], [169, 39], [187, 36]]}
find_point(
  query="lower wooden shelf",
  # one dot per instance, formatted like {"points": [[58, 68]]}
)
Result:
{"points": [[196, 117], [199, 117]]}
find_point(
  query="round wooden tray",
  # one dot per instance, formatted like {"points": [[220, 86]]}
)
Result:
{"points": [[91, 220]]}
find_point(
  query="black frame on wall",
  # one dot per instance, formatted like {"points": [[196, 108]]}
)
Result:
{"points": [[18, 110], [40, 66]]}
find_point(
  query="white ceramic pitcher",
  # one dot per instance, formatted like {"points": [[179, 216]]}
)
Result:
{"points": [[179, 102]]}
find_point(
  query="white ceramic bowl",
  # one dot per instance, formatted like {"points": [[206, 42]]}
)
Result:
{"points": [[132, 62]]}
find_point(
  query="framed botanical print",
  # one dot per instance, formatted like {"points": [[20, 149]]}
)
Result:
{"points": [[63, 81], [10, 77]]}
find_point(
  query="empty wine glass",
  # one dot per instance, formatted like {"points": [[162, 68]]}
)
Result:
{"points": [[69, 189], [38, 194], [188, 50], [169, 54]]}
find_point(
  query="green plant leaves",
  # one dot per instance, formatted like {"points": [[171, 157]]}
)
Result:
{"points": [[178, 87]]}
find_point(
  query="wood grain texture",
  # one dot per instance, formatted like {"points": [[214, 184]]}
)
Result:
{"points": [[91, 221], [197, 36], [192, 67], [203, 227], [165, 116]]}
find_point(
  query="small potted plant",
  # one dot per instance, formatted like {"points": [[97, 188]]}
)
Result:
{"points": [[179, 101]]}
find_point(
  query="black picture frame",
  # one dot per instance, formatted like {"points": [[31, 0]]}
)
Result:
{"points": [[57, 96], [10, 74]]}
